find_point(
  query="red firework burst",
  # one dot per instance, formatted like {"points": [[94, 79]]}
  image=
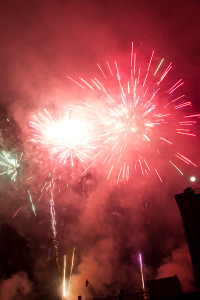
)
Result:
{"points": [[140, 121]]}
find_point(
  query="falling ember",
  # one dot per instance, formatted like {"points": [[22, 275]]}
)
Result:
{"points": [[141, 271]]}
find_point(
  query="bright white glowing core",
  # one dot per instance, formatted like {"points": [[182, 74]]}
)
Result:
{"points": [[67, 132], [192, 178]]}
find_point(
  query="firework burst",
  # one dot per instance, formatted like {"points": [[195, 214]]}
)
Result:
{"points": [[141, 120], [67, 137], [10, 164]]}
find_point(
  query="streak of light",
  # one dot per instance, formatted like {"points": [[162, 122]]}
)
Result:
{"points": [[166, 140], [185, 133], [165, 73], [192, 116], [70, 277], [159, 66], [75, 82], [141, 271], [178, 98], [187, 159], [101, 71], [183, 105], [86, 83], [31, 200], [53, 222], [109, 68], [176, 167], [64, 278], [150, 61], [158, 175], [17, 212]]}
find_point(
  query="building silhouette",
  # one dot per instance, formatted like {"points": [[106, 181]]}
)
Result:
{"points": [[189, 206]]}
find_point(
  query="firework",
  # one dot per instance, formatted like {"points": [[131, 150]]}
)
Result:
{"points": [[10, 164], [67, 137], [141, 271], [17, 212], [31, 201], [64, 279], [140, 121], [53, 221], [67, 293], [70, 277]]}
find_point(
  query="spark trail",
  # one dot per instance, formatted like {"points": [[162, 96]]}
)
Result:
{"points": [[31, 201], [66, 292], [64, 279], [141, 271], [53, 220], [71, 270]]}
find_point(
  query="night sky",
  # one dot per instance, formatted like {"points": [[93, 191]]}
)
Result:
{"points": [[109, 225]]}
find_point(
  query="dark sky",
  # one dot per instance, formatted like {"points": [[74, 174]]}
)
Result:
{"points": [[40, 43]]}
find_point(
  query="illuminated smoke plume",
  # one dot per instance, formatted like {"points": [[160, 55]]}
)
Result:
{"points": [[109, 224]]}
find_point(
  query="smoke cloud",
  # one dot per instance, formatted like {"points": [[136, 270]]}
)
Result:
{"points": [[41, 43], [178, 263], [17, 287]]}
